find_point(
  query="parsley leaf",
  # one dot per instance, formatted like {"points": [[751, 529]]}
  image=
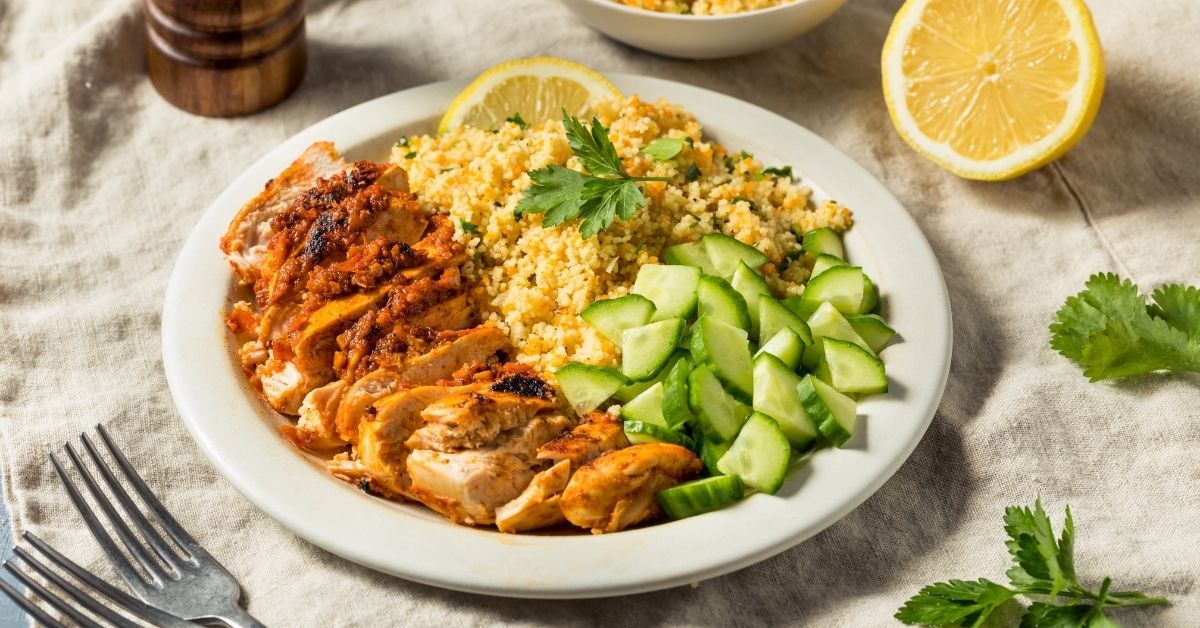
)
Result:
{"points": [[468, 226], [785, 171], [664, 148], [1110, 331], [598, 198], [962, 602], [693, 173], [1035, 551], [516, 119], [1044, 615], [742, 199]]}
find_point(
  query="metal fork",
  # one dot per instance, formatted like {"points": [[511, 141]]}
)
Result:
{"points": [[184, 580], [89, 601]]}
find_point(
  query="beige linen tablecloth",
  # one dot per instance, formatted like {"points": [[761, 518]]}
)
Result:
{"points": [[100, 181]]}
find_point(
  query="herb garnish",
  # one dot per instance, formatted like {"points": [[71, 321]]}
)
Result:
{"points": [[693, 173], [1042, 566], [742, 199], [664, 148], [785, 171], [411, 154], [468, 226], [563, 194], [516, 119], [1111, 331]]}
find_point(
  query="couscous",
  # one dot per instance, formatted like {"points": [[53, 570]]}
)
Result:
{"points": [[703, 7]]}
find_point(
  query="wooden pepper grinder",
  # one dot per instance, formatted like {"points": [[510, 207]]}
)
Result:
{"points": [[225, 57]]}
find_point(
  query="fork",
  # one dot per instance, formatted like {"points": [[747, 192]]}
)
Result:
{"points": [[184, 580], [117, 598]]}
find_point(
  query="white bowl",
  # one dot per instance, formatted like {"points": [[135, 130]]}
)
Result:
{"points": [[703, 36]]}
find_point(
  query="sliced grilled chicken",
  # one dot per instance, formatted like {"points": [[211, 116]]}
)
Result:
{"points": [[315, 430], [467, 486], [617, 489], [440, 363], [537, 506], [245, 243], [474, 419], [597, 434]]}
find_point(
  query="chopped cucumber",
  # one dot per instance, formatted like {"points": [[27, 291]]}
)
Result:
{"points": [[690, 254], [872, 329], [726, 349], [675, 394], [586, 386], [710, 454], [841, 286], [825, 262], [800, 307], [725, 253], [870, 296], [720, 416], [824, 241], [645, 350], [611, 317], [775, 396], [760, 455], [750, 285], [671, 288], [833, 412], [827, 322], [626, 393], [641, 432], [852, 369], [785, 345], [774, 316], [646, 407], [700, 496], [718, 300]]}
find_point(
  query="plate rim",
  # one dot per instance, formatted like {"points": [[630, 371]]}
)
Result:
{"points": [[186, 332]]}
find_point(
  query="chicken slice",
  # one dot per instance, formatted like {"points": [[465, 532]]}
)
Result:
{"points": [[599, 433], [316, 431], [473, 419], [245, 243], [617, 489], [479, 343], [537, 506]]}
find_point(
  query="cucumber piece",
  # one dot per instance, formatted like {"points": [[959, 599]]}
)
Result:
{"points": [[824, 241], [727, 350], [641, 432], [774, 316], [833, 412], [800, 307], [853, 369], [671, 288], [821, 372], [611, 317], [775, 396], [586, 386], [751, 286], [827, 322], [725, 253], [645, 350], [825, 262], [690, 254], [626, 393], [710, 454], [718, 300], [785, 345], [675, 394], [870, 296], [872, 329], [646, 407], [700, 496], [760, 455], [841, 286], [719, 415]]}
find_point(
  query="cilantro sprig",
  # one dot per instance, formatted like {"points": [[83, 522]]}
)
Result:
{"points": [[1111, 331], [605, 192], [1043, 569]]}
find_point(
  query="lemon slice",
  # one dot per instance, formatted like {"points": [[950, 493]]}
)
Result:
{"points": [[538, 89], [991, 89]]}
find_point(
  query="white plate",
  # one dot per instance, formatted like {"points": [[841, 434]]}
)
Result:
{"points": [[238, 433]]}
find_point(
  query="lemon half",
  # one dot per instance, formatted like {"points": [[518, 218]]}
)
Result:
{"points": [[538, 89], [991, 89]]}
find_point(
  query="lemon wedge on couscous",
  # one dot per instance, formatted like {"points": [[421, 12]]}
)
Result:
{"points": [[529, 90], [992, 89]]}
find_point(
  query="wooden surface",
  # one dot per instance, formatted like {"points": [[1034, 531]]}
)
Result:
{"points": [[225, 57]]}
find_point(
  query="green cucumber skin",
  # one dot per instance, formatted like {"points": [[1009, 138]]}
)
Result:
{"points": [[773, 316], [675, 407], [830, 428], [715, 426], [823, 241], [751, 286], [575, 380], [700, 496], [853, 369], [710, 454], [872, 329], [605, 315], [734, 370], [831, 287], [870, 296], [719, 301], [775, 396], [640, 432], [761, 455]]}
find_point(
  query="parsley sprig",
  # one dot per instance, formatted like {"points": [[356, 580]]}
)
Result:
{"points": [[598, 197], [1111, 331], [1043, 569]]}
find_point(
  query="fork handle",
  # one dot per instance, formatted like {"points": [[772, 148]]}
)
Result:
{"points": [[238, 618]]}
